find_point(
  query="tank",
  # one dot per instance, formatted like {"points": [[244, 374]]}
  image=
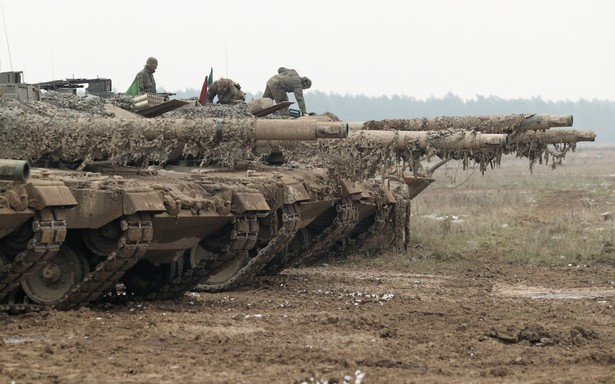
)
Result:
{"points": [[97, 203]]}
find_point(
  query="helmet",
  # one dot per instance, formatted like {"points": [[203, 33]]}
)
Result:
{"points": [[307, 83], [152, 63]]}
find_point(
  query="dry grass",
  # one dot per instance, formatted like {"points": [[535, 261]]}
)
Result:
{"points": [[545, 216]]}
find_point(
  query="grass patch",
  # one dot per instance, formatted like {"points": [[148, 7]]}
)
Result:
{"points": [[553, 217]]}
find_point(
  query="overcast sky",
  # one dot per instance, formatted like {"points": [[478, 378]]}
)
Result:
{"points": [[553, 49]]}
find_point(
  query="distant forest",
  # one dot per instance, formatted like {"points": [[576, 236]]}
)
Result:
{"points": [[595, 115]]}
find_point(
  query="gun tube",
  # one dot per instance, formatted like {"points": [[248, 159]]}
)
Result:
{"points": [[552, 137], [260, 129], [130, 138], [300, 129], [17, 170], [537, 122], [480, 123], [424, 139]]}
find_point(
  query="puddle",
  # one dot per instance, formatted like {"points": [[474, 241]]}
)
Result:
{"points": [[23, 340], [591, 295], [452, 218], [553, 294]]}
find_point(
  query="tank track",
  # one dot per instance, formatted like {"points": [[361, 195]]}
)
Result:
{"points": [[346, 219], [290, 224], [382, 219], [132, 246], [401, 218], [243, 238], [15, 308], [49, 232]]}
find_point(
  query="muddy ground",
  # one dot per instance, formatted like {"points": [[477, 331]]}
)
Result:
{"points": [[459, 322], [388, 318]]}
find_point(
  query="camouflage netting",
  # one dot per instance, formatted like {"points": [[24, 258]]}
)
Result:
{"points": [[224, 111], [536, 150], [359, 158], [521, 143], [65, 104], [485, 124], [79, 130], [237, 146], [352, 159], [82, 132]]}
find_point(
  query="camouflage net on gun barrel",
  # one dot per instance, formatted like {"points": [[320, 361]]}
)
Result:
{"points": [[361, 158], [486, 124], [56, 130], [523, 143]]}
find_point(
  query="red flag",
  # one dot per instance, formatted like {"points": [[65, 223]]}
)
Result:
{"points": [[203, 92]]}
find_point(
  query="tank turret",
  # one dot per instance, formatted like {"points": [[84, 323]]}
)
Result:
{"points": [[69, 138]]}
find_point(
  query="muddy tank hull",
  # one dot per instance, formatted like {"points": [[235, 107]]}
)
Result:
{"points": [[163, 232]]}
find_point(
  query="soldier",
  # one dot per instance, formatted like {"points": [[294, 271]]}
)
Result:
{"points": [[145, 77], [287, 80], [228, 92]]}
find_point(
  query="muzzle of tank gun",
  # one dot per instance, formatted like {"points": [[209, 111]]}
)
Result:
{"points": [[546, 121], [17, 170], [494, 140]]}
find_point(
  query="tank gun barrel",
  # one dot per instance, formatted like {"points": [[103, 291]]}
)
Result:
{"points": [[69, 138], [17, 170], [422, 140], [299, 129], [538, 122], [552, 137], [220, 130], [486, 124]]}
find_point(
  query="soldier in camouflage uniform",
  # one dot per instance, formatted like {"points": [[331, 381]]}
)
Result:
{"points": [[287, 80], [228, 92], [147, 84]]}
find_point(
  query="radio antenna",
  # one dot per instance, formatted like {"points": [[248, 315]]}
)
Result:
{"points": [[8, 47], [226, 58]]}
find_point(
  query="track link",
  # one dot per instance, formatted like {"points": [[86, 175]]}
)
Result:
{"points": [[288, 229], [346, 219], [49, 232], [137, 234]]}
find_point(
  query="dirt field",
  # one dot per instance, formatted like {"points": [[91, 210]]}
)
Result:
{"points": [[389, 318]]}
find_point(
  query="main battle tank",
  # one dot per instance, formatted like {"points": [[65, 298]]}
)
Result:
{"points": [[93, 205]]}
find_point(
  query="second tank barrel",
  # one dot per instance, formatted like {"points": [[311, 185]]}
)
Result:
{"points": [[422, 140], [553, 137], [486, 124]]}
